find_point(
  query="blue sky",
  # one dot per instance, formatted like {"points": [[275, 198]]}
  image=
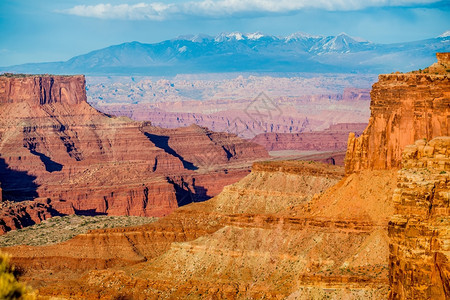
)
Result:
{"points": [[50, 30]]}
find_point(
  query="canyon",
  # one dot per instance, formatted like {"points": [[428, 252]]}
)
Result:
{"points": [[377, 228], [333, 138], [243, 105], [65, 155]]}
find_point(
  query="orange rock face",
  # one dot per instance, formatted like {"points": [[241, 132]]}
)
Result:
{"points": [[404, 108], [295, 230], [419, 231], [247, 242], [54, 145]]}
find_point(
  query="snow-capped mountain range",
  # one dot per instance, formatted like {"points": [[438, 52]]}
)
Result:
{"points": [[249, 52]]}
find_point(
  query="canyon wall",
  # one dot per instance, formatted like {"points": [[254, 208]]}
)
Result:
{"points": [[333, 138], [14, 215], [44, 89], [419, 231], [199, 147], [246, 106], [404, 108], [295, 230], [275, 233], [54, 146]]}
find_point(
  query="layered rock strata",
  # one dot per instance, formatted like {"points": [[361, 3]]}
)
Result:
{"points": [[404, 108], [281, 232], [332, 139], [263, 229], [199, 147], [15, 215], [54, 146], [419, 231]]}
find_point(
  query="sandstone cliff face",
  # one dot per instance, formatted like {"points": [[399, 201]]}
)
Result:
{"points": [[42, 90], [274, 186], [249, 242], [419, 230], [55, 146], [199, 147], [404, 108]]}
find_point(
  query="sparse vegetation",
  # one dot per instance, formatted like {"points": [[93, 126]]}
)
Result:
{"points": [[10, 288], [59, 229], [14, 75]]}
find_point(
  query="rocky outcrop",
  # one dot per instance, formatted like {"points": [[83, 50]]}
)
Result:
{"points": [[332, 139], [274, 186], [268, 242], [404, 108], [44, 89], [442, 66], [419, 231], [55, 146], [199, 147], [18, 215]]}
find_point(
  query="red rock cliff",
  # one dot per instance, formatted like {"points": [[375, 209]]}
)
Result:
{"points": [[54, 145], [43, 89], [404, 108]]}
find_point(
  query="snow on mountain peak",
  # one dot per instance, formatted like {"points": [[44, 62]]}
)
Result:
{"points": [[224, 36], [182, 49], [301, 35], [445, 34], [237, 35], [254, 36]]}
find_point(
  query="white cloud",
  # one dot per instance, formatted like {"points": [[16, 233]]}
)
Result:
{"points": [[224, 8], [140, 11]]}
